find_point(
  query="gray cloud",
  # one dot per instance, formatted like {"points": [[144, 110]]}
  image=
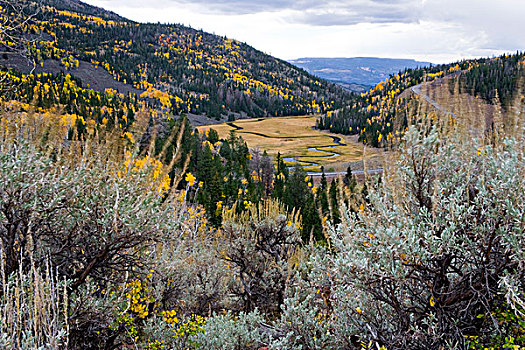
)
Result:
{"points": [[241, 7], [493, 15], [369, 11], [399, 28], [500, 23], [319, 12]]}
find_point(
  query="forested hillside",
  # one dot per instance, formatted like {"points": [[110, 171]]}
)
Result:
{"points": [[381, 114], [495, 80], [179, 69]]}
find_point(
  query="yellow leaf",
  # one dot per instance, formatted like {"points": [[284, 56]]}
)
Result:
{"points": [[190, 179]]}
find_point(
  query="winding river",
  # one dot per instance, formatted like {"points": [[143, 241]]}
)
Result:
{"points": [[296, 161], [320, 149], [326, 153]]}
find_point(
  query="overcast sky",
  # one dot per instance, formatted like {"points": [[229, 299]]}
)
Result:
{"points": [[437, 31]]}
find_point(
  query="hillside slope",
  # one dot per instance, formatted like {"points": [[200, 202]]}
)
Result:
{"points": [[178, 69], [381, 114]]}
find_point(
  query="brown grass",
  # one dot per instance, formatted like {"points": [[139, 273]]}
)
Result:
{"points": [[292, 137]]}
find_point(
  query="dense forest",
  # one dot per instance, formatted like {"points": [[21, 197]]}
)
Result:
{"points": [[495, 80], [123, 227], [178, 68]]}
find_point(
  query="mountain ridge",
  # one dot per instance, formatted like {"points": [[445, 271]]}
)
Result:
{"points": [[356, 73], [178, 68], [85, 8]]}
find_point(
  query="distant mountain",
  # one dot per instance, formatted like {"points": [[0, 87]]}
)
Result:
{"points": [[357, 73]]}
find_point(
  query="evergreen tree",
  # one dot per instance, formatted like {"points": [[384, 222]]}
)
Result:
{"points": [[281, 175], [322, 196], [296, 192], [334, 202], [349, 179], [312, 225]]}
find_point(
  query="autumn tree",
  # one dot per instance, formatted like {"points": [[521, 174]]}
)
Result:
{"points": [[15, 18]]}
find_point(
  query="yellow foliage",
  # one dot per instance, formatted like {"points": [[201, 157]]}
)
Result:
{"points": [[157, 172], [163, 97], [190, 179]]}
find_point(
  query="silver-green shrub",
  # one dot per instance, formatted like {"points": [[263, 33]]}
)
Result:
{"points": [[436, 260], [230, 332]]}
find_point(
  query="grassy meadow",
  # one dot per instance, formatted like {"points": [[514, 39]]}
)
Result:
{"points": [[295, 137]]}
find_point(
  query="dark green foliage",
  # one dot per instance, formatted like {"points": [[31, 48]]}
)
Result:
{"points": [[495, 80], [322, 196], [281, 175], [334, 202], [349, 179], [298, 194]]}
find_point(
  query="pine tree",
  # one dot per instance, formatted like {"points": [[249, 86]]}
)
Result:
{"points": [[322, 196], [312, 225], [349, 179], [281, 176], [334, 202]]}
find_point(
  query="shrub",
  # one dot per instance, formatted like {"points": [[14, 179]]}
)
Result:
{"points": [[91, 208], [189, 274], [242, 332], [260, 250], [434, 261]]}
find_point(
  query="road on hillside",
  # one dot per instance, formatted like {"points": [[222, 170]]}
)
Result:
{"points": [[354, 172], [417, 91]]}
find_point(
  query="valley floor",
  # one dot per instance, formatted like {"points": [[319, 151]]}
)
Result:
{"points": [[298, 142]]}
